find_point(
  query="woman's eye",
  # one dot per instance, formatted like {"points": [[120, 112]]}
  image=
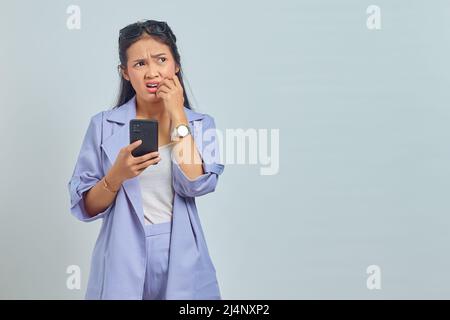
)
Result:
{"points": [[139, 63], [163, 58]]}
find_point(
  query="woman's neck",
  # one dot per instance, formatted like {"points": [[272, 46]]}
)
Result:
{"points": [[155, 111]]}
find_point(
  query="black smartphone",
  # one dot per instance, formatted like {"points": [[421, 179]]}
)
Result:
{"points": [[147, 131]]}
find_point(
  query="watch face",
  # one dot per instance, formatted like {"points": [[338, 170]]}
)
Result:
{"points": [[183, 131]]}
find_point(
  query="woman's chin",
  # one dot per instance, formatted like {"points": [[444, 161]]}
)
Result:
{"points": [[151, 97]]}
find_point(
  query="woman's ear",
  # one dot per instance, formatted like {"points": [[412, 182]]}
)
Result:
{"points": [[177, 69], [124, 72]]}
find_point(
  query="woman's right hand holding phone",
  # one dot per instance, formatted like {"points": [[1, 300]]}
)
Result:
{"points": [[127, 166]]}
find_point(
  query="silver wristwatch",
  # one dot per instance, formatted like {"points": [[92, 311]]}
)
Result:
{"points": [[181, 131]]}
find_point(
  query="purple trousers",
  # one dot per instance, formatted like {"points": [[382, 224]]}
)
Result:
{"points": [[158, 242]]}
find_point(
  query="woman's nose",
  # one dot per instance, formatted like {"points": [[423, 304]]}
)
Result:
{"points": [[152, 71]]}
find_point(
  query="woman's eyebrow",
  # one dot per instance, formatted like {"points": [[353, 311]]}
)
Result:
{"points": [[153, 56]]}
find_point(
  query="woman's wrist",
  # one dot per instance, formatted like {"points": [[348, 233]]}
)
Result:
{"points": [[113, 181]]}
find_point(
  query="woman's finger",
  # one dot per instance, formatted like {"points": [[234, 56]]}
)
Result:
{"points": [[145, 157], [167, 83], [161, 93], [134, 145], [175, 81], [164, 87], [147, 163]]}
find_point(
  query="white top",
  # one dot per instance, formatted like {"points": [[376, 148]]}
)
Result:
{"points": [[156, 188]]}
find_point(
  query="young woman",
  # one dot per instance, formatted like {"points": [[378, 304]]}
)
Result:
{"points": [[151, 244]]}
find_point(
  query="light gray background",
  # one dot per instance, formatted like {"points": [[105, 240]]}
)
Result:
{"points": [[363, 118]]}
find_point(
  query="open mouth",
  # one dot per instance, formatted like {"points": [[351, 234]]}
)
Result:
{"points": [[152, 87]]}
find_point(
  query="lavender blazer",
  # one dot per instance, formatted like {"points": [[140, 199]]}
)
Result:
{"points": [[119, 258]]}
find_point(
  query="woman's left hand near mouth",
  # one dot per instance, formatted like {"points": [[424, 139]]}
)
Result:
{"points": [[171, 91]]}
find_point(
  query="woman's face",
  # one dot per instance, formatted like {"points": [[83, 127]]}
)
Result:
{"points": [[148, 61]]}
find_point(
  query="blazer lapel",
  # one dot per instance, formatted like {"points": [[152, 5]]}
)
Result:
{"points": [[118, 140]]}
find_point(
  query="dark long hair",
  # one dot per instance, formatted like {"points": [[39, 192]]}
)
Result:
{"points": [[132, 33]]}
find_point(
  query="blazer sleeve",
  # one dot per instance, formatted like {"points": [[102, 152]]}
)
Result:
{"points": [[88, 171], [208, 149]]}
